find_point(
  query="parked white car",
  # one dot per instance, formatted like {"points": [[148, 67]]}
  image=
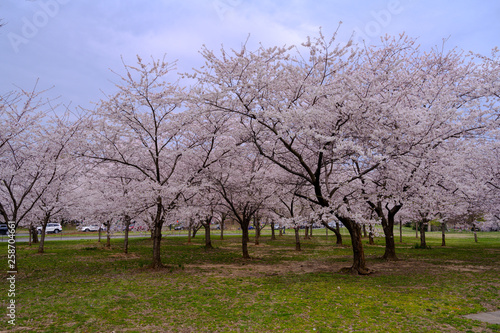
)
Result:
{"points": [[92, 227], [51, 228]]}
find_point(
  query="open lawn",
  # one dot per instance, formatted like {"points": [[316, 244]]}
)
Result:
{"points": [[80, 286]]}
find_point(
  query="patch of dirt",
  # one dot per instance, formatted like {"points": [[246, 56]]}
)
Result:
{"points": [[467, 268], [125, 256], [255, 268]]}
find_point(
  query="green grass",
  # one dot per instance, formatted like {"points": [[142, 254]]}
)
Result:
{"points": [[80, 286]]}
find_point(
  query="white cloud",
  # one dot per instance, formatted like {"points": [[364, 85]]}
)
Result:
{"points": [[75, 49]]}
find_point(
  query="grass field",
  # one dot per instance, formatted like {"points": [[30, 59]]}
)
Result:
{"points": [[80, 286]]}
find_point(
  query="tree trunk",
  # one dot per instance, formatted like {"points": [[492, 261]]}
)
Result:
{"points": [[364, 231], [46, 219], [337, 233], [34, 234], [359, 263], [306, 233], [222, 222], [244, 240], [108, 235], [208, 240], [195, 231], [390, 247], [273, 234], [416, 229], [157, 226], [443, 236], [474, 231], [156, 247], [42, 240], [245, 233], [99, 234], [297, 239], [335, 230], [127, 225], [400, 230], [257, 232], [423, 226], [370, 236], [189, 233], [388, 227]]}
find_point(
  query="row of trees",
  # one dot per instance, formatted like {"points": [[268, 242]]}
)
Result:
{"points": [[320, 132]]}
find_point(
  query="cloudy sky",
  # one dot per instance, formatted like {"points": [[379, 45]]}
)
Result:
{"points": [[72, 45]]}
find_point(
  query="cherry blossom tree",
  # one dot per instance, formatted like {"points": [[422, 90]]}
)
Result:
{"points": [[243, 180], [286, 111], [19, 111], [56, 202], [33, 153], [291, 212], [422, 101], [151, 135], [140, 129], [332, 120], [472, 181]]}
